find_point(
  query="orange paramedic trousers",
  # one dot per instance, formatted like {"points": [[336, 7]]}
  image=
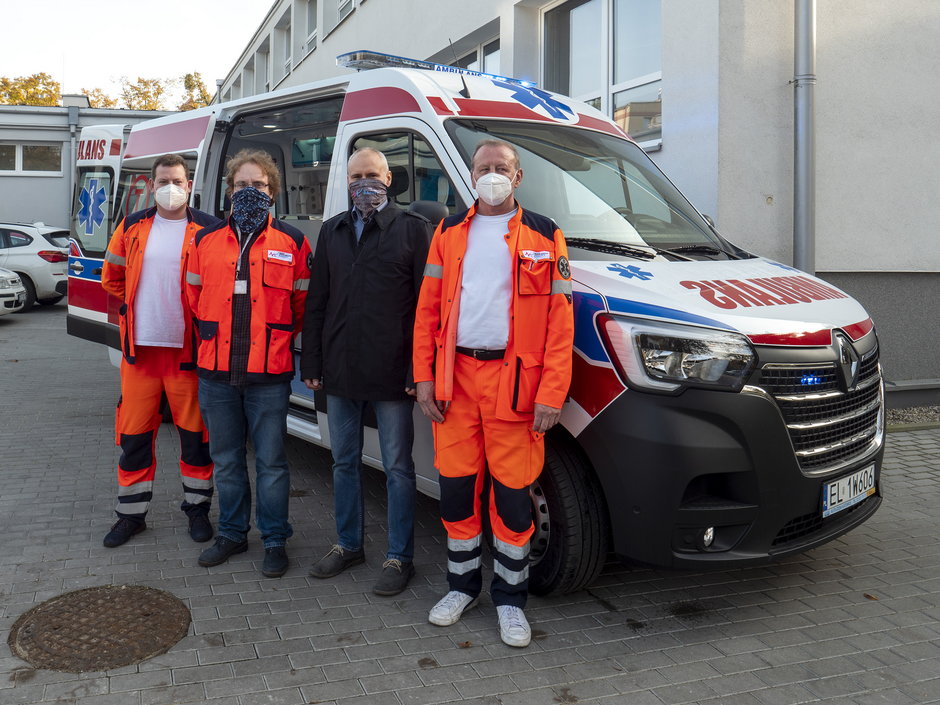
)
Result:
{"points": [[156, 371], [470, 439]]}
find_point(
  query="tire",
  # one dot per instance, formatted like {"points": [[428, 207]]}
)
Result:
{"points": [[30, 293], [51, 301], [572, 528]]}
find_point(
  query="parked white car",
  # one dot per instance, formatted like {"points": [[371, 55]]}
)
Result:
{"points": [[12, 292], [39, 254]]}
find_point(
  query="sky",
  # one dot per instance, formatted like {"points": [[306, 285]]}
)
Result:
{"points": [[92, 44]]}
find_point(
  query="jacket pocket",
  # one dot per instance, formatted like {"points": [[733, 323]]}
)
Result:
{"points": [[277, 273], [526, 384], [535, 275], [208, 345], [279, 355]]}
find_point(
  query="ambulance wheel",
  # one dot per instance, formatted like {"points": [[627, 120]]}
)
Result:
{"points": [[569, 546]]}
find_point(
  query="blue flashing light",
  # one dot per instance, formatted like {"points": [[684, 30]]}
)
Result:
{"points": [[809, 380], [364, 59]]}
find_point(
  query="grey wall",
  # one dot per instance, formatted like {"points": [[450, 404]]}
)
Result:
{"points": [[907, 318]]}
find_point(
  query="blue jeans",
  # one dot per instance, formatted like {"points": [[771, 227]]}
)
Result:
{"points": [[232, 414], [396, 437]]}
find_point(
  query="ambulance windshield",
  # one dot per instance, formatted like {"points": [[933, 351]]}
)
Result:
{"points": [[597, 187]]}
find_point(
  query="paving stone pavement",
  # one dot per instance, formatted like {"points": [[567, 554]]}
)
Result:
{"points": [[857, 621]]}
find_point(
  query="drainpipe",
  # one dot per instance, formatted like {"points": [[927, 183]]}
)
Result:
{"points": [[804, 137], [73, 150]]}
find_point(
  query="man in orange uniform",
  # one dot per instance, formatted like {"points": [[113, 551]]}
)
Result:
{"points": [[492, 363], [247, 281], [143, 268]]}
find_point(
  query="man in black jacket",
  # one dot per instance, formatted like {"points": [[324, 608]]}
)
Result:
{"points": [[364, 284]]}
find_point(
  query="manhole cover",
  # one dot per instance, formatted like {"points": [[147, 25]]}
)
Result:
{"points": [[99, 628]]}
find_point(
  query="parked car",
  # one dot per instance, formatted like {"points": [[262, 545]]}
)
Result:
{"points": [[39, 254], [12, 292]]}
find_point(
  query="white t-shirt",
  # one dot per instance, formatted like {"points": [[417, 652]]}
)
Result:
{"points": [[158, 308], [486, 290]]}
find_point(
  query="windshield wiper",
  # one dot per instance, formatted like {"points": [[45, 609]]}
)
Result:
{"points": [[610, 247], [700, 250]]}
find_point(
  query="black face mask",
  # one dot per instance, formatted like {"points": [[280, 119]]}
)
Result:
{"points": [[367, 195], [250, 209]]}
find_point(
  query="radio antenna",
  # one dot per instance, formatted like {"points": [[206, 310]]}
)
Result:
{"points": [[466, 91]]}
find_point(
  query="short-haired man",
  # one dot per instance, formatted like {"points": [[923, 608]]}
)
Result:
{"points": [[492, 362], [247, 279], [143, 268], [357, 337]]}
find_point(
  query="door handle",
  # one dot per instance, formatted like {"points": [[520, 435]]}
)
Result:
{"points": [[76, 267]]}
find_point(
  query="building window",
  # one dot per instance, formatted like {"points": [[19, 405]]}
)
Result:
{"points": [[31, 159], [311, 27], [282, 46], [608, 53], [483, 57]]}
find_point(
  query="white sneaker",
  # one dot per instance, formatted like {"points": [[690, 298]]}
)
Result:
{"points": [[513, 626], [450, 608]]}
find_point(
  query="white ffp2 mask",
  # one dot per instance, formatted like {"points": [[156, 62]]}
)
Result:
{"points": [[170, 196], [494, 188]]}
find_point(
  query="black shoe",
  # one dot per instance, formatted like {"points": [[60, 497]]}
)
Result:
{"points": [[394, 578], [122, 530], [275, 562], [221, 551], [336, 561], [200, 530]]}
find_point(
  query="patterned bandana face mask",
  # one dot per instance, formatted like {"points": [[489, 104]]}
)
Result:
{"points": [[250, 209], [367, 195]]}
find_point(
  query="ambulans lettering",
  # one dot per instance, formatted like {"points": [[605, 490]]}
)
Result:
{"points": [[91, 149], [762, 291]]}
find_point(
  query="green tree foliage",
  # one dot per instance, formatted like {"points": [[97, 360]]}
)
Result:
{"points": [[196, 95], [38, 89], [144, 93]]}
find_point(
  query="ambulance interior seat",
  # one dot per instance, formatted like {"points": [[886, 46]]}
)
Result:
{"points": [[400, 182], [435, 211]]}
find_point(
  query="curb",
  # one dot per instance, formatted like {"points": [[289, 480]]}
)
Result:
{"points": [[892, 428]]}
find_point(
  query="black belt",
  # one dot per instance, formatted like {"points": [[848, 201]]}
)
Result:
{"points": [[482, 353]]}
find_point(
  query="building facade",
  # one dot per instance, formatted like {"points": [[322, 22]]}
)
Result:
{"points": [[706, 87], [38, 146]]}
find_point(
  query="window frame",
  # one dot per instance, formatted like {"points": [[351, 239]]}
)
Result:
{"points": [[18, 169], [608, 88]]}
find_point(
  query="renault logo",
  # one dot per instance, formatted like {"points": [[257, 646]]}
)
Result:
{"points": [[847, 361]]}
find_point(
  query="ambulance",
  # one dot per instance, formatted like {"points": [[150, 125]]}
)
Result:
{"points": [[725, 409]]}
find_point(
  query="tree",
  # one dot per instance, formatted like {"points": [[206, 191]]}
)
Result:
{"points": [[38, 89], [196, 95], [144, 94], [99, 99]]}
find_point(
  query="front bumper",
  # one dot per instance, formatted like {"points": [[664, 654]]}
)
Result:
{"points": [[675, 465]]}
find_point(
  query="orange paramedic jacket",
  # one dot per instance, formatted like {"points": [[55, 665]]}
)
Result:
{"points": [[278, 281], [537, 364], [121, 274]]}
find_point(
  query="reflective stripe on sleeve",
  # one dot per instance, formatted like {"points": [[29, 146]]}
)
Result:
{"points": [[301, 285], [436, 271], [561, 286], [112, 258], [194, 279]]}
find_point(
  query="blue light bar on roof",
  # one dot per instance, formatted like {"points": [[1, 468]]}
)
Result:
{"points": [[363, 60]]}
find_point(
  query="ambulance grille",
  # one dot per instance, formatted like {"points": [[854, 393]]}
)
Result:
{"points": [[828, 426]]}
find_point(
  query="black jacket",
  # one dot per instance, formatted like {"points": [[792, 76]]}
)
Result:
{"points": [[360, 313]]}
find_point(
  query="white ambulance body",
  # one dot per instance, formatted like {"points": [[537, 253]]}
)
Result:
{"points": [[724, 409]]}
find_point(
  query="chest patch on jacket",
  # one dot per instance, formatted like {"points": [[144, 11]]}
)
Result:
{"points": [[281, 256], [535, 255]]}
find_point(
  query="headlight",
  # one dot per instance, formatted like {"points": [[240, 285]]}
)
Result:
{"points": [[666, 357], [6, 283]]}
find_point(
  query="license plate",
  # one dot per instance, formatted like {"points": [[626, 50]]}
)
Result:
{"points": [[849, 490]]}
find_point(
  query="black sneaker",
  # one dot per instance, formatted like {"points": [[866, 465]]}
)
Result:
{"points": [[122, 530], [394, 578], [336, 561], [221, 551], [200, 530], [275, 562]]}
